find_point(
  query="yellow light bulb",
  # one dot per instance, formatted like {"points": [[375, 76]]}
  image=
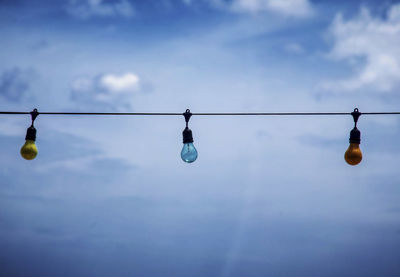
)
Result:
{"points": [[29, 150], [353, 155]]}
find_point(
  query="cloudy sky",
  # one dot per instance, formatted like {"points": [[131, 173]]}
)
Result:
{"points": [[267, 196]]}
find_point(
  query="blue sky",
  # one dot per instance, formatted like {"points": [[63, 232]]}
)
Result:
{"points": [[267, 196]]}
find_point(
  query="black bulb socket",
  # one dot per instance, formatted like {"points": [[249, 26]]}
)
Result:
{"points": [[187, 135], [31, 133], [355, 136]]}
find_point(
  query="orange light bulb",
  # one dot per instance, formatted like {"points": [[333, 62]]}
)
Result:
{"points": [[353, 155]]}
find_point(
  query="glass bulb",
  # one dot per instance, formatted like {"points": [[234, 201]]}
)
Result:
{"points": [[188, 153], [29, 150], [353, 155]]}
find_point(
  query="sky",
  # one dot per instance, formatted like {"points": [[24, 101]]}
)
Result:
{"points": [[267, 196]]}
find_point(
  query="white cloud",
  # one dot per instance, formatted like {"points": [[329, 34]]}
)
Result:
{"points": [[89, 8], [288, 7], [376, 41], [110, 89], [296, 8], [122, 83]]}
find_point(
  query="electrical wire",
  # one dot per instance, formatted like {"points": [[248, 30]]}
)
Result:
{"points": [[203, 114]]}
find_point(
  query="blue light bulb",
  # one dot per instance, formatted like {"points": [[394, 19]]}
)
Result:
{"points": [[188, 153]]}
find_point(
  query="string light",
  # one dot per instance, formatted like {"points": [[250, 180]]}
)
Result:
{"points": [[353, 155], [29, 150], [189, 152]]}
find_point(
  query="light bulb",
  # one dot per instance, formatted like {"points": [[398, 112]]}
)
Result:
{"points": [[29, 150], [353, 155], [188, 153]]}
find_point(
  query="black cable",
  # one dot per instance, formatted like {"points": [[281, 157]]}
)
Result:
{"points": [[208, 114]]}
